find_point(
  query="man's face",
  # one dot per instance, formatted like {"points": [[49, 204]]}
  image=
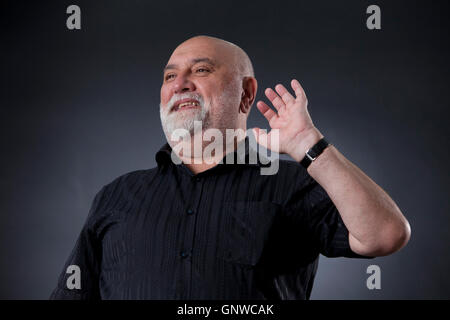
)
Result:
{"points": [[200, 84]]}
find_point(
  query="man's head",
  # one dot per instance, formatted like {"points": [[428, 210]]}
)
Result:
{"points": [[210, 80]]}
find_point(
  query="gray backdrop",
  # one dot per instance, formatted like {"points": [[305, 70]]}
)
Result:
{"points": [[79, 108]]}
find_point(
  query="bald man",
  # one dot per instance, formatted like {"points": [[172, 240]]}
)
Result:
{"points": [[203, 226]]}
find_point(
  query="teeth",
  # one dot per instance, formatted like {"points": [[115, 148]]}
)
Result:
{"points": [[187, 104]]}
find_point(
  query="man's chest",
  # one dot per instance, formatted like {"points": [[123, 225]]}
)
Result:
{"points": [[234, 231]]}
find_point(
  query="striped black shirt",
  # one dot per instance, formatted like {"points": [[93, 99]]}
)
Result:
{"points": [[226, 233]]}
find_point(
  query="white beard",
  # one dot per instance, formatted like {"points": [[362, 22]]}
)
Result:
{"points": [[183, 119]]}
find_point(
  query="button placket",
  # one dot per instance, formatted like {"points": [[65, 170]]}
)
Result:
{"points": [[186, 253]]}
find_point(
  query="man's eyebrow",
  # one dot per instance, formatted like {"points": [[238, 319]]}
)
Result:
{"points": [[169, 66], [193, 61], [208, 60]]}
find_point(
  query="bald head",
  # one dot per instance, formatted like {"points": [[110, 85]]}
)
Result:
{"points": [[233, 54]]}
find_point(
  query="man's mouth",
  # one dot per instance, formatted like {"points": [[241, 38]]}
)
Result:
{"points": [[185, 104]]}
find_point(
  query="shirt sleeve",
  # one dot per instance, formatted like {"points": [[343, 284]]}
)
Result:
{"points": [[324, 224], [79, 279]]}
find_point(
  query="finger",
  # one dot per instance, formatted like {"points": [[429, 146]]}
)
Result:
{"points": [[266, 111], [284, 94], [274, 98], [299, 92]]}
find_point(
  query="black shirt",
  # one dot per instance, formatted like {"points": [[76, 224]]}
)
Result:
{"points": [[226, 233]]}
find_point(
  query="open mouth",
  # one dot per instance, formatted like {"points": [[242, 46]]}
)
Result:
{"points": [[185, 104]]}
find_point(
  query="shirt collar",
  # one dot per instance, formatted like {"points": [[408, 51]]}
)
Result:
{"points": [[163, 156]]}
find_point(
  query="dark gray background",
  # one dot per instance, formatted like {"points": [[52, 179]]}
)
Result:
{"points": [[79, 108]]}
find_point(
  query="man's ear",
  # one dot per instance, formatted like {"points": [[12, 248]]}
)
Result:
{"points": [[249, 88]]}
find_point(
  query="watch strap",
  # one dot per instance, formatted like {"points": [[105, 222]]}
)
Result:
{"points": [[314, 152]]}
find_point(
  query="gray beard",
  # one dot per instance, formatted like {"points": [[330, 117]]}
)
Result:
{"points": [[183, 120]]}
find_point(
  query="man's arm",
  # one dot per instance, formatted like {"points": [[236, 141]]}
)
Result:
{"points": [[376, 225], [79, 279]]}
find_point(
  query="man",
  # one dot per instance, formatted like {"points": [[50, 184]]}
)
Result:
{"points": [[220, 229]]}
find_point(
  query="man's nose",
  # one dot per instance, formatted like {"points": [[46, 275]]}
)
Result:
{"points": [[183, 84]]}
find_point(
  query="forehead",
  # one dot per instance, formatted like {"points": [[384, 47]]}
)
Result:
{"points": [[192, 50]]}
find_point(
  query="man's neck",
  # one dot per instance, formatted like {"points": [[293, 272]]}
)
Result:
{"points": [[201, 164]]}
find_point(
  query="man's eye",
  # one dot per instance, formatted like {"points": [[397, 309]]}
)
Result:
{"points": [[169, 76], [202, 70]]}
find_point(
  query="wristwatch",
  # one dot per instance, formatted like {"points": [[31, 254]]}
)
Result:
{"points": [[314, 152]]}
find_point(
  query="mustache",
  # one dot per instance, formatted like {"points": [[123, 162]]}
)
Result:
{"points": [[187, 95]]}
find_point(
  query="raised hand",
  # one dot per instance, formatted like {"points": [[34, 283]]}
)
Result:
{"points": [[297, 132]]}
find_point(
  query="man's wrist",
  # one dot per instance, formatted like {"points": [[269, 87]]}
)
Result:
{"points": [[306, 141]]}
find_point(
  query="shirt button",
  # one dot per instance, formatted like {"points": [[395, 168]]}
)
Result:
{"points": [[190, 211], [185, 254]]}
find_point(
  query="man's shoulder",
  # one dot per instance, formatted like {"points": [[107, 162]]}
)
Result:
{"points": [[131, 178], [289, 169], [289, 178], [291, 165], [126, 187], [127, 182]]}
